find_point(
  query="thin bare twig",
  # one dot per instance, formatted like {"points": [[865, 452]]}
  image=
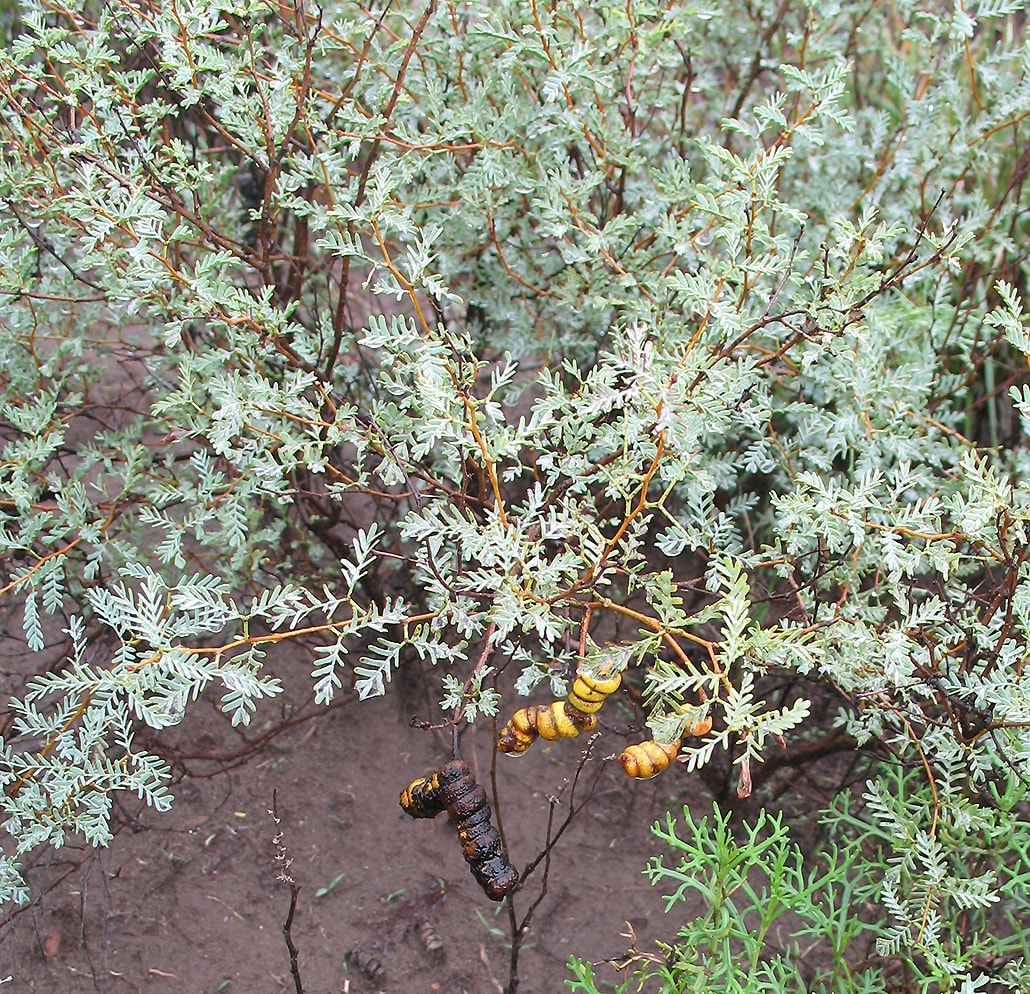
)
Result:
{"points": [[519, 930], [285, 861]]}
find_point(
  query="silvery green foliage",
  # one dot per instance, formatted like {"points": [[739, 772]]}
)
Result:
{"points": [[477, 325]]}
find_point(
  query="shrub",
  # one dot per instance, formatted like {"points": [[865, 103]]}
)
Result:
{"points": [[471, 332]]}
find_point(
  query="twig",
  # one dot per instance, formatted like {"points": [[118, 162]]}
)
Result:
{"points": [[285, 861], [519, 930]]}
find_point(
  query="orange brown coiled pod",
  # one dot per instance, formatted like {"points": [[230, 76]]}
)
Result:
{"points": [[698, 727], [647, 759], [588, 693], [548, 721]]}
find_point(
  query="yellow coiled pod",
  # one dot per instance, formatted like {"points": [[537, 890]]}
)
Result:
{"points": [[647, 759], [588, 692], [549, 721]]}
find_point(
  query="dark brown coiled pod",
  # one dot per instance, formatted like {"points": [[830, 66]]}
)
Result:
{"points": [[430, 938], [497, 877], [474, 820], [480, 842], [367, 964], [421, 798], [455, 782], [469, 802]]}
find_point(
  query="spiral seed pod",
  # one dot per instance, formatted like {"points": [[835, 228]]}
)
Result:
{"points": [[456, 782], [470, 801], [647, 759], [518, 734], [473, 821], [367, 964], [698, 727], [430, 938], [453, 788], [481, 843], [549, 721], [588, 693], [421, 798], [496, 876]]}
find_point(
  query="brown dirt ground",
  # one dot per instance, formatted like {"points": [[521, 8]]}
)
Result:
{"points": [[189, 901]]}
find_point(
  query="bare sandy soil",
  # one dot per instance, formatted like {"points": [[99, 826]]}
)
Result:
{"points": [[189, 900]]}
